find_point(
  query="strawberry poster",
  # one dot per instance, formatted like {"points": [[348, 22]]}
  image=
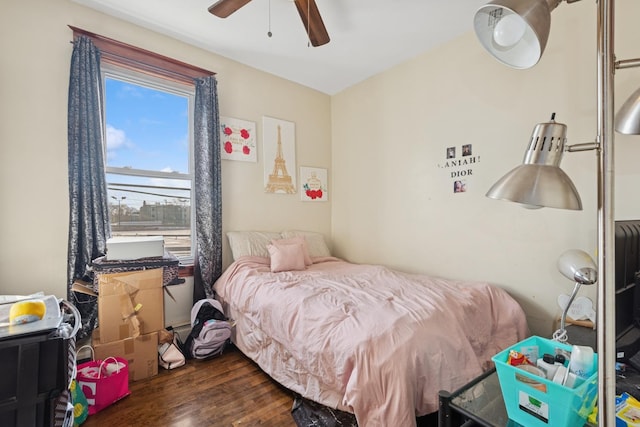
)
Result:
{"points": [[314, 184], [238, 139]]}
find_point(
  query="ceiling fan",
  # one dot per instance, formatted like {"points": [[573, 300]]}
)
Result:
{"points": [[307, 9]]}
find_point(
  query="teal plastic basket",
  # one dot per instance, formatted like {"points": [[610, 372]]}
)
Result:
{"points": [[534, 401]]}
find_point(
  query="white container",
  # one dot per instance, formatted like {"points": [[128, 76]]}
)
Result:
{"points": [[581, 363], [560, 375], [129, 248], [549, 367]]}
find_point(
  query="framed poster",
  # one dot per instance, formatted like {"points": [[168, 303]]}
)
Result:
{"points": [[238, 139], [279, 148], [313, 184]]}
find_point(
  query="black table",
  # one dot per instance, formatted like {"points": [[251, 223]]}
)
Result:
{"points": [[478, 403]]}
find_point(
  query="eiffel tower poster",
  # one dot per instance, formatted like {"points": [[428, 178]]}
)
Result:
{"points": [[279, 156]]}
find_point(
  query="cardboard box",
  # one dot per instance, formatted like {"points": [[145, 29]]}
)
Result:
{"points": [[130, 304], [134, 247], [141, 352]]}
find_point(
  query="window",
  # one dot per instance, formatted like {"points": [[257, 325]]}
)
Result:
{"points": [[148, 151], [148, 165]]}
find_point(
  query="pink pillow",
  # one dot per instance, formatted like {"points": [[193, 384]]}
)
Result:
{"points": [[294, 241], [286, 257]]}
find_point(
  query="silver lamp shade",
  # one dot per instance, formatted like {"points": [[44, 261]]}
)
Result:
{"points": [[578, 266], [539, 181], [515, 32], [628, 117]]}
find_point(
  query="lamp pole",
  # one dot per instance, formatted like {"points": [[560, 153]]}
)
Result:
{"points": [[119, 201], [605, 322]]}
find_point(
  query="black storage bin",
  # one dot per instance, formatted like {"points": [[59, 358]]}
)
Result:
{"points": [[169, 263], [34, 373]]}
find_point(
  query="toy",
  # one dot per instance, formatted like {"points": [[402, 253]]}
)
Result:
{"points": [[27, 311]]}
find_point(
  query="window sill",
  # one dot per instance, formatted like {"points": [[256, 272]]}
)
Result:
{"points": [[185, 270]]}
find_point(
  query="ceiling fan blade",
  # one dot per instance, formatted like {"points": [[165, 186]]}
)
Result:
{"points": [[224, 8], [312, 22]]}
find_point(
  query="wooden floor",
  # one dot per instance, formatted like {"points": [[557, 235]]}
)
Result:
{"points": [[226, 391]]}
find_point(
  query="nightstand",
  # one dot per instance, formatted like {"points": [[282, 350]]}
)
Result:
{"points": [[478, 403]]}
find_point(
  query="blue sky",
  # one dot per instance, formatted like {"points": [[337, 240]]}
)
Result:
{"points": [[146, 128]]}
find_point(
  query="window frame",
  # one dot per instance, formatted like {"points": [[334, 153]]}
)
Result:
{"points": [[127, 75], [141, 60]]}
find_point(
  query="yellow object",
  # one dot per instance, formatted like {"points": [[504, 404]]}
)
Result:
{"points": [[27, 311], [628, 411], [593, 416]]}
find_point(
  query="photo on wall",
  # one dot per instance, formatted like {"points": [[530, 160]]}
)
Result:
{"points": [[459, 186], [238, 140], [313, 184], [279, 148]]}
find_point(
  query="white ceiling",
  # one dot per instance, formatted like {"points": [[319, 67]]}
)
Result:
{"points": [[367, 36]]}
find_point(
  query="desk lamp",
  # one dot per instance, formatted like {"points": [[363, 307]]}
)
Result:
{"points": [[578, 266]]}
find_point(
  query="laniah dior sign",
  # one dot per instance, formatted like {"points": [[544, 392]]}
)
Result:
{"points": [[460, 166]]}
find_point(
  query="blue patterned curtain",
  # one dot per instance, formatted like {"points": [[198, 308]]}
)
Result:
{"points": [[208, 189], [88, 210]]}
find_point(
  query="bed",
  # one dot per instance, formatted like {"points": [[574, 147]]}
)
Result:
{"points": [[360, 338]]}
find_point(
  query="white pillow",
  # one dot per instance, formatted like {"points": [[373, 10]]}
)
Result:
{"points": [[315, 242], [251, 243], [286, 257]]}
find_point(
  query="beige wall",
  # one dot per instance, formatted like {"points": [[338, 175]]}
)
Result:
{"points": [[34, 75], [383, 141], [393, 200]]}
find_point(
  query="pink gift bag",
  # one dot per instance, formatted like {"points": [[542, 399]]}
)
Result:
{"points": [[103, 382]]}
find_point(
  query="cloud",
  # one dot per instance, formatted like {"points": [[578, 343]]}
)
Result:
{"points": [[130, 90], [116, 138]]}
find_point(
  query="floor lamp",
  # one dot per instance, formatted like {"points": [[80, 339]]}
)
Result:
{"points": [[515, 32]]}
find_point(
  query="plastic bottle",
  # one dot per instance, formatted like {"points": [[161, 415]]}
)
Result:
{"points": [[548, 365], [581, 362]]}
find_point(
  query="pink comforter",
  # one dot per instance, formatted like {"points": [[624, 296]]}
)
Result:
{"points": [[364, 338]]}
